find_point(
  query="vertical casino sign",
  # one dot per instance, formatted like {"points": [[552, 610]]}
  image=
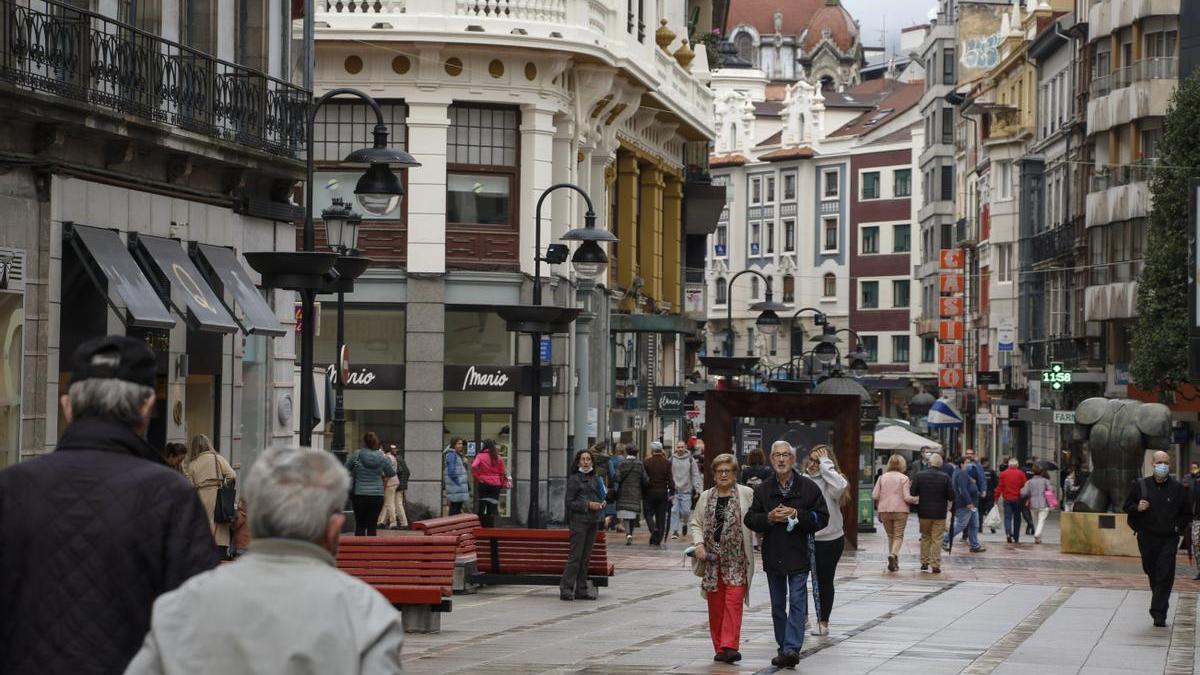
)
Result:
{"points": [[951, 306]]}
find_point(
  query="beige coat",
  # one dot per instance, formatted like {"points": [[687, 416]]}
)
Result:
{"points": [[203, 472], [696, 527]]}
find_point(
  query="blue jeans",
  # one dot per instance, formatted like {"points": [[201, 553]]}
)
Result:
{"points": [[965, 519], [789, 607], [1012, 517]]}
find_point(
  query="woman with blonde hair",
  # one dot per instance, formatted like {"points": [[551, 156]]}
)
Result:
{"points": [[208, 470], [822, 469], [723, 548], [892, 500]]}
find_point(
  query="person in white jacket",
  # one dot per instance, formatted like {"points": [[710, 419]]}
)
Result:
{"points": [[823, 470], [685, 473], [284, 607]]}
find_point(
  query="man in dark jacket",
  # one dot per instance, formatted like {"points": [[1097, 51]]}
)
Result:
{"points": [[1159, 509], [966, 507], [787, 508], [93, 532], [658, 470], [935, 493]]}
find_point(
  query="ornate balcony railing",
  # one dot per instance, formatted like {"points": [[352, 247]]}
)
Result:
{"points": [[1052, 244], [54, 48]]}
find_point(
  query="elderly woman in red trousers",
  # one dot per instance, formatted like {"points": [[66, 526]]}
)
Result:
{"points": [[724, 554]]}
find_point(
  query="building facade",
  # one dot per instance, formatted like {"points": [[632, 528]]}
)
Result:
{"points": [[129, 202], [498, 107]]}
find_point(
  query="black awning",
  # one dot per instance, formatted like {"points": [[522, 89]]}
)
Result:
{"points": [[702, 206], [178, 277], [226, 275], [105, 255]]}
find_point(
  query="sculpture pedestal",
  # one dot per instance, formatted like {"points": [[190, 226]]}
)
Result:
{"points": [[1097, 534]]}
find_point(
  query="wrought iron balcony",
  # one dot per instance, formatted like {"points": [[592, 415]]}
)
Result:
{"points": [[57, 49], [1064, 349], [1051, 244]]}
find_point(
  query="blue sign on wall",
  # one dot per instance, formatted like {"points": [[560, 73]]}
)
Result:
{"points": [[719, 249], [545, 349]]}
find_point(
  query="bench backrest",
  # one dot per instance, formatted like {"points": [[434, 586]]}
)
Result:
{"points": [[534, 551], [462, 526], [400, 561]]}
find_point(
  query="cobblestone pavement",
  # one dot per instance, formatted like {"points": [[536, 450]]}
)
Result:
{"points": [[1016, 609]]}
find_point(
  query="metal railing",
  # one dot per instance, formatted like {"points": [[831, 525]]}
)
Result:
{"points": [[1051, 244], [1116, 176], [54, 48], [1153, 68]]}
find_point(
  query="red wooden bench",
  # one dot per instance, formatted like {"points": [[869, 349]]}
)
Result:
{"points": [[416, 574], [533, 557], [463, 528]]}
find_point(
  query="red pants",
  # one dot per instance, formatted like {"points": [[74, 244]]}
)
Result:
{"points": [[725, 616]]}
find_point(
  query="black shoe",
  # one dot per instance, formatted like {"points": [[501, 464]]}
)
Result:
{"points": [[733, 656], [937, 570], [585, 596], [1029, 531], [721, 656], [565, 596], [1197, 577], [790, 659], [924, 567], [777, 661], [1159, 621], [1008, 539]]}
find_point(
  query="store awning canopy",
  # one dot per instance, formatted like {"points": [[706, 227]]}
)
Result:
{"points": [[230, 279], [179, 278], [942, 415], [113, 270], [899, 438]]}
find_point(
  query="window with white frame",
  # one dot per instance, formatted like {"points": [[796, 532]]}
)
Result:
{"points": [[1003, 175], [722, 241], [756, 190], [900, 291], [829, 285], [928, 349], [870, 295], [902, 183], [482, 169], [721, 293], [900, 345], [870, 185], [870, 240], [769, 192], [829, 179], [1004, 263], [870, 347], [755, 239], [754, 288], [789, 236], [789, 186], [901, 238], [829, 234]]}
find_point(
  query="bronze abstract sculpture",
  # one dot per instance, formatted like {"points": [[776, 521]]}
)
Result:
{"points": [[1118, 433]]}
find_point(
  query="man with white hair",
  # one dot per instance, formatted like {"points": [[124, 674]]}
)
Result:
{"points": [[92, 533], [284, 606]]}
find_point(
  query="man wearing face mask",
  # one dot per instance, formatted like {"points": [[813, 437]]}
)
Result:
{"points": [[1159, 509], [92, 533]]}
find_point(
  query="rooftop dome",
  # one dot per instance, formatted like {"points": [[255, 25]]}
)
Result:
{"points": [[831, 21]]}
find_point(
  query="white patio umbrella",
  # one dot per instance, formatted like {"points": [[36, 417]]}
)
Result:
{"points": [[899, 438]]}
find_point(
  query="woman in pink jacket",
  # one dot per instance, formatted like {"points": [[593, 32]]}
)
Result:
{"points": [[491, 476], [891, 504]]}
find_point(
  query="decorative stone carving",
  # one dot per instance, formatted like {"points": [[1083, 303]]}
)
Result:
{"points": [[684, 55], [664, 36], [1118, 433]]}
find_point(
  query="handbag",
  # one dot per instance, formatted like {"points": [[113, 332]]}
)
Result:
{"points": [[1051, 499], [225, 506]]}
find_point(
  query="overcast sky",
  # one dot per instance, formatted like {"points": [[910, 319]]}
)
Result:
{"points": [[874, 16]]}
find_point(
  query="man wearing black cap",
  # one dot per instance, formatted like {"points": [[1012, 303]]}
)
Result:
{"points": [[93, 532]]}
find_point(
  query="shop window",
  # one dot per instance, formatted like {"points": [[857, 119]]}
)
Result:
{"points": [[477, 338], [482, 166], [377, 333]]}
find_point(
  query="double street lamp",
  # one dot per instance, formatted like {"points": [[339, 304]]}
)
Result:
{"points": [[768, 320]]}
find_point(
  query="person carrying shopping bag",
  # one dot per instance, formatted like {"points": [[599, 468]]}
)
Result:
{"points": [[1042, 496]]}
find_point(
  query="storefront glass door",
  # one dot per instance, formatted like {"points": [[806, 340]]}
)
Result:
{"points": [[474, 426]]}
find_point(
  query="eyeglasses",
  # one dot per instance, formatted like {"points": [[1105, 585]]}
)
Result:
{"points": [[722, 472], [781, 456]]}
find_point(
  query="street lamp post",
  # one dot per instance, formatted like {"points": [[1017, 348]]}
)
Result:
{"points": [[341, 231], [378, 192], [589, 262], [767, 321]]}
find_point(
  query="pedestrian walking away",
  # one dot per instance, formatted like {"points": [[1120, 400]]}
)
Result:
{"points": [[369, 468], [686, 478], [756, 470], [457, 481], [632, 482], [92, 533], [1159, 509], [723, 554], [209, 472], [491, 477], [1042, 495], [892, 498], [1008, 489], [601, 460], [966, 507], [585, 496], [394, 515], [935, 495], [822, 469], [659, 486], [256, 616], [976, 472], [787, 508]]}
